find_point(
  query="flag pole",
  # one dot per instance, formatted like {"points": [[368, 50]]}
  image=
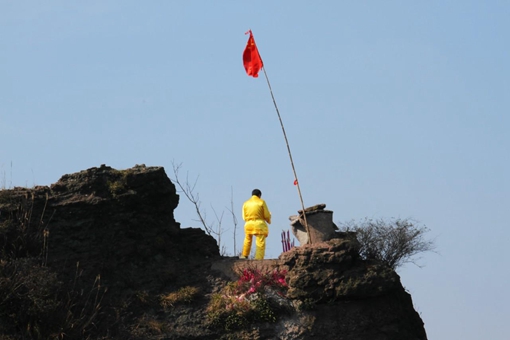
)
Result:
{"points": [[290, 156]]}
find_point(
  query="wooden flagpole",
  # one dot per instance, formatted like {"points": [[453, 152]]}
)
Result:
{"points": [[290, 156]]}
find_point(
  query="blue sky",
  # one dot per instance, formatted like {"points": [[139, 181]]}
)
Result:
{"points": [[392, 109]]}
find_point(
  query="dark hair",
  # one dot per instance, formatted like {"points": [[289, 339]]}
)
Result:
{"points": [[256, 192]]}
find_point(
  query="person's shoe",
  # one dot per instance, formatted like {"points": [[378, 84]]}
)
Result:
{"points": [[243, 257]]}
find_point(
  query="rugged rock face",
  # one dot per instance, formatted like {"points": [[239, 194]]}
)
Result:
{"points": [[119, 226], [353, 299]]}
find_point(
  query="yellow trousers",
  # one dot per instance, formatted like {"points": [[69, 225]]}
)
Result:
{"points": [[260, 246]]}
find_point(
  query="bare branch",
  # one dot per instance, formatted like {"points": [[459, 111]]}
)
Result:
{"points": [[234, 218], [219, 231], [188, 191], [394, 242]]}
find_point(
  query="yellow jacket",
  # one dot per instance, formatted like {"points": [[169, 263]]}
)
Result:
{"points": [[256, 214]]}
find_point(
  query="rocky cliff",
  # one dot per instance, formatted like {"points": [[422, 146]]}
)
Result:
{"points": [[99, 255]]}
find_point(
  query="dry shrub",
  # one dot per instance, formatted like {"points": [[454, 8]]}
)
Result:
{"points": [[394, 242]]}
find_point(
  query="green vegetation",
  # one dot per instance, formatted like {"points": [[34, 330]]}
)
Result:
{"points": [[245, 301]]}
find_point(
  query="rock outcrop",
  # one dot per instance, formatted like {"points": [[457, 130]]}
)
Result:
{"points": [[118, 226], [351, 298]]}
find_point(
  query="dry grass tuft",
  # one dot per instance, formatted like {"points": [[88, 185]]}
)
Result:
{"points": [[183, 295]]}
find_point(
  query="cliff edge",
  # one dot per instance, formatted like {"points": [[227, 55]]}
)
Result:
{"points": [[99, 255]]}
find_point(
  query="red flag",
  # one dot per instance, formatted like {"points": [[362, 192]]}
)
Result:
{"points": [[251, 57], [295, 182]]}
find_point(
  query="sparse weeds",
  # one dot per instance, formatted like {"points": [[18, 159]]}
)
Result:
{"points": [[183, 295], [34, 302], [119, 184], [147, 325], [3, 179], [38, 306], [142, 297], [23, 231]]}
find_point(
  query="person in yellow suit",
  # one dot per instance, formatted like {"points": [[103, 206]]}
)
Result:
{"points": [[255, 214]]}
